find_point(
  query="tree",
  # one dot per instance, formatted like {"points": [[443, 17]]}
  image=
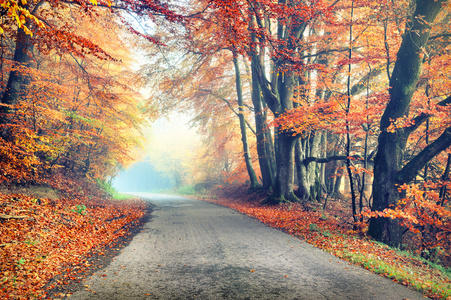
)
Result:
{"points": [[264, 137], [205, 80], [243, 130], [65, 104], [292, 19], [389, 168]]}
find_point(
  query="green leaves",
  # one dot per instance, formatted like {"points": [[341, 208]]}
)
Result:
{"points": [[80, 209]]}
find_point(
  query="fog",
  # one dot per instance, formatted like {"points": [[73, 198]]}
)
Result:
{"points": [[169, 148], [141, 177]]}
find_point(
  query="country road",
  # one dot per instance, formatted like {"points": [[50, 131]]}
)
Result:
{"points": [[193, 249]]}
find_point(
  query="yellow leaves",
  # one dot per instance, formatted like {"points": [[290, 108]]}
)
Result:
{"points": [[20, 15]]}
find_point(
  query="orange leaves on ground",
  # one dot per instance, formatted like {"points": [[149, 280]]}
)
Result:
{"points": [[331, 231], [38, 237]]}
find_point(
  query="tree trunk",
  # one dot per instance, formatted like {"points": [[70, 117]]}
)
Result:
{"points": [[312, 170], [269, 146], [263, 141], [283, 189], [385, 192], [391, 145], [16, 78], [284, 184], [308, 177], [303, 191], [247, 156]]}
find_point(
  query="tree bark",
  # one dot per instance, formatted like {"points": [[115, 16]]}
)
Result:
{"points": [[247, 156], [16, 77], [263, 135], [391, 145], [263, 148], [283, 189], [303, 191], [308, 177]]}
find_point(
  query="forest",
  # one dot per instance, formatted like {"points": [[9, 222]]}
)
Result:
{"points": [[302, 101]]}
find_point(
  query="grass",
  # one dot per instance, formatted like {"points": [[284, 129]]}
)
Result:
{"points": [[190, 190], [401, 273], [120, 196]]}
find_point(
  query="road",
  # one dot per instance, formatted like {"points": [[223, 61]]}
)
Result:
{"points": [[193, 249]]}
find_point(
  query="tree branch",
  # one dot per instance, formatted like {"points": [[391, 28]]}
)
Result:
{"points": [[230, 106], [411, 169], [309, 160], [443, 35], [7, 217], [417, 121], [362, 83]]}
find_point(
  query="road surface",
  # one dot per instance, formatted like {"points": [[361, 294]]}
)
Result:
{"points": [[193, 249]]}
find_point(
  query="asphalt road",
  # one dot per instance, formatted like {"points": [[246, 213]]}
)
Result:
{"points": [[193, 249]]}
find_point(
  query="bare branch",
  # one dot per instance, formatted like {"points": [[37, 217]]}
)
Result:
{"points": [[411, 169]]}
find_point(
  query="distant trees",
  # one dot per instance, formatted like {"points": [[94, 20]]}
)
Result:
{"points": [[290, 95], [360, 86], [68, 94]]}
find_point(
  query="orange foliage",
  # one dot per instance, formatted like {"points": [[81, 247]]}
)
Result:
{"points": [[307, 118], [425, 214], [39, 237], [77, 112]]}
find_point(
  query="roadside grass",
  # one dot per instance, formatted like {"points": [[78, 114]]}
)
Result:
{"points": [[332, 231], [121, 196], [190, 190], [186, 190], [404, 274]]}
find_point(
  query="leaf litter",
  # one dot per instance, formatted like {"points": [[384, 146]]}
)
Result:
{"points": [[332, 231], [48, 243]]}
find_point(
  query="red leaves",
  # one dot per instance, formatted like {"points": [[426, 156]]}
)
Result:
{"points": [[423, 213], [33, 252], [332, 233]]}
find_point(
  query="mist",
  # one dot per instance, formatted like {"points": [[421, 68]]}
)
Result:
{"points": [[165, 161], [141, 177]]}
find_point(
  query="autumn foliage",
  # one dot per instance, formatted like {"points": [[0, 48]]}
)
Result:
{"points": [[42, 238], [69, 119], [340, 99]]}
